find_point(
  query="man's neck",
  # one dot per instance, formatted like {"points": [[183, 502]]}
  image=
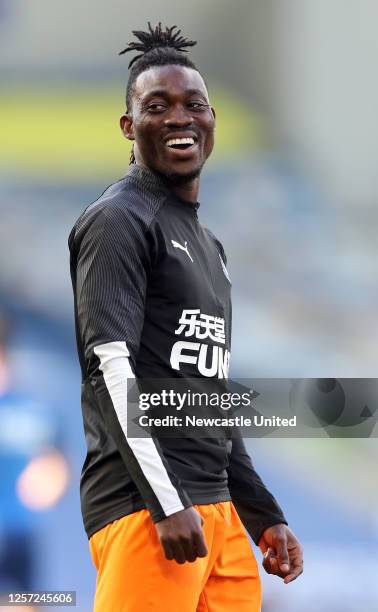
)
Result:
{"points": [[186, 190]]}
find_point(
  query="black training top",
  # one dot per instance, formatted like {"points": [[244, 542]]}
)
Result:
{"points": [[152, 300]]}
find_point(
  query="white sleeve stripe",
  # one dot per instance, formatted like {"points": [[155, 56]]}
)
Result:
{"points": [[115, 366]]}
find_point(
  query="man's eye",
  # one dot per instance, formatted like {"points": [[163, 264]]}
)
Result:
{"points": [[155, 107], [197, 105]]}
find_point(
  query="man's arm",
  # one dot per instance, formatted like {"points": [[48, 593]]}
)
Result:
{"points": [[255, 505], [110, 260], [262, 516]]}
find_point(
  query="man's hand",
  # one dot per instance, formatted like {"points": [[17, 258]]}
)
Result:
{"points": [[283, 554], [181, 536]]}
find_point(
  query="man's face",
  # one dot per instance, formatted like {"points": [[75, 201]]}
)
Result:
{"points": [[171, 121]]}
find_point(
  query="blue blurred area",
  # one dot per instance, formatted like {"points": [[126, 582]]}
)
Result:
{"points": [[26, 428], [39, 412]]}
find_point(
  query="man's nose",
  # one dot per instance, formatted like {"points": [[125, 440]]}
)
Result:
{"points": [[178, 116]]}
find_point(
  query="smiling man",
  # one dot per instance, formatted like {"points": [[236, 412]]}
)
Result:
{"points": [[164, 517]]}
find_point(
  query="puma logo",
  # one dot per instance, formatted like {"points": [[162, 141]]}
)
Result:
{"points": [[177, 245]]}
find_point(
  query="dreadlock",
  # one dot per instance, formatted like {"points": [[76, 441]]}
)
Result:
{"points": [[158, 47]]}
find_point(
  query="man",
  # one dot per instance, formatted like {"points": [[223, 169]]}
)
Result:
{"points": [[162, 515]]}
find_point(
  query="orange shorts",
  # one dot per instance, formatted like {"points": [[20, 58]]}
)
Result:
{"points": [[134, 575]]}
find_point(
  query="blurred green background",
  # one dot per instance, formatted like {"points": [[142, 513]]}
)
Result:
{"points": [[291, 192]]}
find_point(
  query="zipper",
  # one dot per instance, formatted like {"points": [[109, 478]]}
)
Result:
{"points": [[206, 266]]}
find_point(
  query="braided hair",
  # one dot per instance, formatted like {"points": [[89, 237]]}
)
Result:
{"points": [[158, 47]]}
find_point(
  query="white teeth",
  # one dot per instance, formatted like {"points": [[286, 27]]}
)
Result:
{"points": [[177, 141]]}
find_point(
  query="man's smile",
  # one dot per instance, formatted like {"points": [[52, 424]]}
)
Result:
{"points": [[180, 143], [181, 146]]}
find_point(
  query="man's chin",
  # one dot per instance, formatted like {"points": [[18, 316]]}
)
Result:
{"points": [[176, 177]]}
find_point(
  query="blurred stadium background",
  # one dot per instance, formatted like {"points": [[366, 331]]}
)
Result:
{"points": [[292, 193]]}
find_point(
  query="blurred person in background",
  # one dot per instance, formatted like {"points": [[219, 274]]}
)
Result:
{"points": [[34, 473], [140, 263]]}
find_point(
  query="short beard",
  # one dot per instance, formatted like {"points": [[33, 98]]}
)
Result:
{"points": [[177, 179]]}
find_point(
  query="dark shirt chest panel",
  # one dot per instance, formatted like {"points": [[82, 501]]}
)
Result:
{"points": [[188, 265], [187, 274]]}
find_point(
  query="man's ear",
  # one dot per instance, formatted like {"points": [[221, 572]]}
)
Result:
{"points": [[126, 124], [214, 115]]}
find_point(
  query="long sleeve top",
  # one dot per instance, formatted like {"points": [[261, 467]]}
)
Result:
{"points": [[152, 300]]}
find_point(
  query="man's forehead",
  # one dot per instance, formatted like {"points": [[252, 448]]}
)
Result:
{"points": [[168, 78]]}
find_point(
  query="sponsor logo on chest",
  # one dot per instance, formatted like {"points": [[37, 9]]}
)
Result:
{"points": [[211, 360]]}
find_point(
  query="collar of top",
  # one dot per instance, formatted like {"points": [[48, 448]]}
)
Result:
{"points": [[156, 183]]}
